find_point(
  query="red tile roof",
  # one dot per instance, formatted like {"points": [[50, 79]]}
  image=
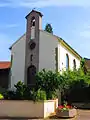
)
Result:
{"points": [[4, 65]]}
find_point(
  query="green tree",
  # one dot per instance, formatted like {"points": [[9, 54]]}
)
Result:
{"points": [[83, 66], [49, 82], [48, 28], [74, 80]]}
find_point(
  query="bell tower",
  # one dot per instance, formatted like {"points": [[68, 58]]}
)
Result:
{"points": [[34, 24]]}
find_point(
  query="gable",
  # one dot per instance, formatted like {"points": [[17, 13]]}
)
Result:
{"points": [[66, 45]]}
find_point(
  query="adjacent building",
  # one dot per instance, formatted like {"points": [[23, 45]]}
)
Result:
{"points": [[4, 74]]}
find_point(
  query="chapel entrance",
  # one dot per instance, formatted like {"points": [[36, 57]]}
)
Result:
{"points": [[31, 75]]}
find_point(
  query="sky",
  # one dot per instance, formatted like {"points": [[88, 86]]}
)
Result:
{"points": [[70, 20]]}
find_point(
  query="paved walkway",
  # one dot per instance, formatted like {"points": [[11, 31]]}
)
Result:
{"points": [[82, 115]]}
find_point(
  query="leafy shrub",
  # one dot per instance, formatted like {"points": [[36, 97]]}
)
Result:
{"points": [[75, 86], [49, 82], [2, 90], [10, 95], [22, 92], [40, 95]]}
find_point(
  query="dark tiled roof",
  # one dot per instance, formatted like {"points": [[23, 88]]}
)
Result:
{"points": [[36, 12]]}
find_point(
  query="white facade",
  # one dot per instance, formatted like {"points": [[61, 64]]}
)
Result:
{"points": [[47, 46], [18, 62], [48, 43]]}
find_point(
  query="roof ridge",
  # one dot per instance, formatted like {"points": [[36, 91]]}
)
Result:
{"points": [[17, 41]]}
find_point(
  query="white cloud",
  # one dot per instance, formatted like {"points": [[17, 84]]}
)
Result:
{"points": [[5, 26], [44, 3], [11, 25]]}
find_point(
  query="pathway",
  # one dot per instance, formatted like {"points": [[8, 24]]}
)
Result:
{"points": [[82, 115]]}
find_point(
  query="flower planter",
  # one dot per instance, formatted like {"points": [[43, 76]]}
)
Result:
{"points": [[26, 108], [66, 113]]}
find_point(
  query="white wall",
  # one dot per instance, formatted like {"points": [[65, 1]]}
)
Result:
{"points": [[18, 63], [62, 58], [47, 46]]}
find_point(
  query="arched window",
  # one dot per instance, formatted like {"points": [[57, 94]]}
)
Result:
{"points": [[74, 64], [31, 72], [67, 62], [33, 21]]}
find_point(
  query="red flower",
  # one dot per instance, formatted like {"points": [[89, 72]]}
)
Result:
{"points": [[60, 107], [67, 107]]}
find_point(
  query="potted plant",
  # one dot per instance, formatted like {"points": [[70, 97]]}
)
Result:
{"points": [[66, 110]]}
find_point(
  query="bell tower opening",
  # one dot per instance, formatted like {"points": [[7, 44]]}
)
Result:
{"points": [[33, 22], [33, 28]]}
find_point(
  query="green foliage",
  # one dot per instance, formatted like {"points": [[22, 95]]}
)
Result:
{"points": [[9, 95], [83, 66], [1, 97], [21, 92], [2, 90], [48, 28], [20, 89], [73, 77], [74, 81], [40, 95], [49, 82]]}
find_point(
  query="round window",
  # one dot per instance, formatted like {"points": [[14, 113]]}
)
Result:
{"points": [[32, 45]]}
